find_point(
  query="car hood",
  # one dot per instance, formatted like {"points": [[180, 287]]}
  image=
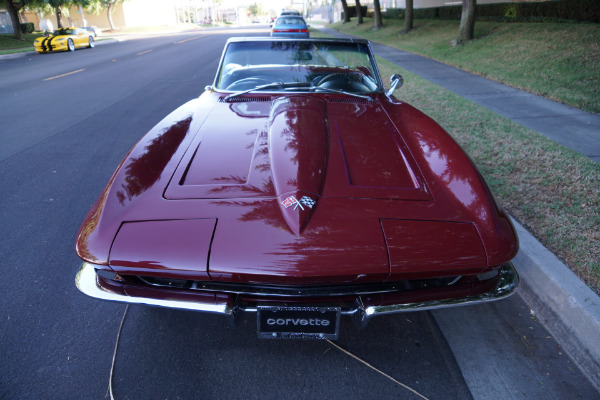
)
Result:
{"points": [[264, 147], [51, 36], [301, 189]]}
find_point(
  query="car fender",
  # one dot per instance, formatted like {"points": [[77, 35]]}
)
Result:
{"points": [[140, 175], [453, 177]]}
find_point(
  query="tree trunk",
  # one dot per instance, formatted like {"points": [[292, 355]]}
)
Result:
{"points": [[377, 9], [109, 14], [83, 21], [346, 14], [467, 22], [13, 10], [408, 16], [359, 16], [59, 24]]}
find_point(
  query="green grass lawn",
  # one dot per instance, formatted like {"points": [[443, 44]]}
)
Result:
{"points": [[8, 43], [560, 61], [551, 190]]}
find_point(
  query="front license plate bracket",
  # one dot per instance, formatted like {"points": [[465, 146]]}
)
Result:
{"points": [[300, 322]]}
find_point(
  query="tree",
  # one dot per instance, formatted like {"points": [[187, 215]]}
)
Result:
{"points": [[377, 10], [109, 4], [96, 6], [13, 7], [408, 16], [346, 13], [255, 9], [359, 16], [467, 22], [58, 6], [40, 7]]}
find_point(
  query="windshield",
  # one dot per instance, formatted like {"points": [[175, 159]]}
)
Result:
{"points": [[63, 31], [343, 66]]}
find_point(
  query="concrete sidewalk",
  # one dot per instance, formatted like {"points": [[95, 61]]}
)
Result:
{"points": [[566, 306], [571, 127]]}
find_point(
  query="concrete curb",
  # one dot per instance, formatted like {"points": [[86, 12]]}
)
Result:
{"points": [[16, 55], [565, 305]]}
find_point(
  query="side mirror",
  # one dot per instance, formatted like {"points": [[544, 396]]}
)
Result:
{"points": [[396, 81], [208, 88]]}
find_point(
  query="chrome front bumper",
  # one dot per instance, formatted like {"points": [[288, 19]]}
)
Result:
{"points": [[508, 282]]}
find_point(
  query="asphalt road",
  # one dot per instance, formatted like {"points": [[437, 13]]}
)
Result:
{"points": [[66, 121]]}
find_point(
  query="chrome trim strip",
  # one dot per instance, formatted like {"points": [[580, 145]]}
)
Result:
{"points": [[87, 282], [508, 283]]}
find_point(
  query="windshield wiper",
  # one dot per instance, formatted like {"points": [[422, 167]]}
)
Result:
{"points": [[289, 86], [325, 89], [272, 85]]}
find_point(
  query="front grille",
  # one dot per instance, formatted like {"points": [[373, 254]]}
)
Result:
{"points": [[301, 291]]}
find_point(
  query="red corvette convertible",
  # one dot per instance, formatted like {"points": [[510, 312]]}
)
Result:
{"points": [[297, 188]]}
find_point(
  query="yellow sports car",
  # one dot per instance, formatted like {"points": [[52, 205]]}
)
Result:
{"points": [[64, 39]]}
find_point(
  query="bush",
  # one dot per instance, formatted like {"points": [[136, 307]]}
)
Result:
{"points": [[548, 11], [394, 13], [561, 10], [28, 27]]}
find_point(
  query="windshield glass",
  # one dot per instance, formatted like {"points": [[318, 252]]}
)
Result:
{"points": [[331, 65], [63, 31]]}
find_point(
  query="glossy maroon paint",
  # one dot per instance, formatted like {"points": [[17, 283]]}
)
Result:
{"points": [[155, 247], [201, 196]]}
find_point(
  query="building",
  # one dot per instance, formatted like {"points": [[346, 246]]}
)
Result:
{"points": [[138, 13], [131, 13]]}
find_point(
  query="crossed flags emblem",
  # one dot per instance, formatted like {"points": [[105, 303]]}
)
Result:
{"points": [[292, 201]]}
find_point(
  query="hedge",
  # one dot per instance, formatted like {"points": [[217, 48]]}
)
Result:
{"points": [[554, 10], [27, 27]]}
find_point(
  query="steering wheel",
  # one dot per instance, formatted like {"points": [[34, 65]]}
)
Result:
{"points": [[352, 76], [249, 83]]}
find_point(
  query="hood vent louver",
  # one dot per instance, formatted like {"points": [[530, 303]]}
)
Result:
{"points": [[332, 99], [242, 99]]}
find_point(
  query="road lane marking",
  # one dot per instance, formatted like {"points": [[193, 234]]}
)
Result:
{"points": [[187, 40], [68, 73], [143, 52]]}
